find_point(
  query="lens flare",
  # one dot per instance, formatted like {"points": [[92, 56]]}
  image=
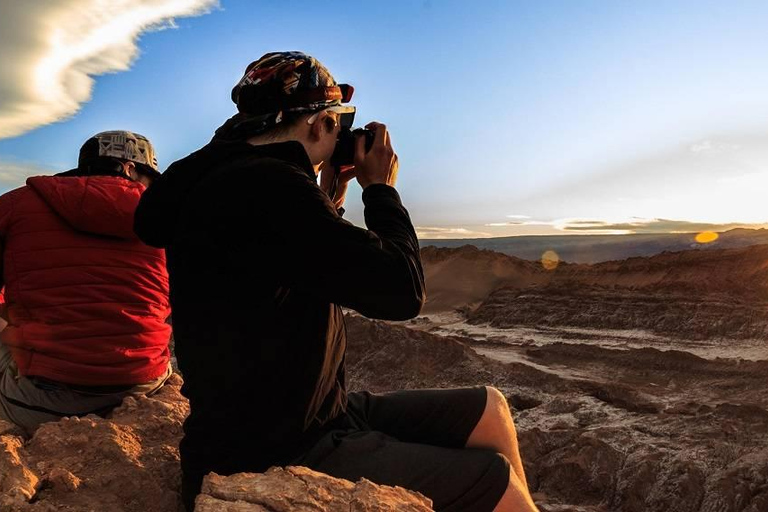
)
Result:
{"points": [[550, 260], [707, 237]]}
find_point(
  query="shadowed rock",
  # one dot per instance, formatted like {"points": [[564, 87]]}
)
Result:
{"points": [[687, 294]]}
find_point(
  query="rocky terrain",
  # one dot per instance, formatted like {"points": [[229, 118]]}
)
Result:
{"points": [[602, 429], [299, 489], [129, 462], [637, 385], [679, 314], [690, 294], [457, 278], [126, 463]]}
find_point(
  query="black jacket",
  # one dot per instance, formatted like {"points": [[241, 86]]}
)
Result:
{"points": [[260, 264]]}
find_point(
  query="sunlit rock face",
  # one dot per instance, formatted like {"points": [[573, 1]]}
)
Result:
{"points": [[299, 488], [128, 463]]}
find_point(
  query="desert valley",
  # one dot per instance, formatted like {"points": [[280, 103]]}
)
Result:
{"points": [[637, 385]]}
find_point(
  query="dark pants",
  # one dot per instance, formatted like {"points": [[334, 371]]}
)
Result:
{"points": [[413, 439], [28, 402]]}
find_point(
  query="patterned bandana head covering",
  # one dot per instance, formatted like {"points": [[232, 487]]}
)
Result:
{"points": [[281, 82], [120, 144]]}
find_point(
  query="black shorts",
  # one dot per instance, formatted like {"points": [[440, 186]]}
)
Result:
{"points": [[415, 439]]}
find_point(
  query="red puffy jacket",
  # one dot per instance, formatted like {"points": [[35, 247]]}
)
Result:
{"points": [[86, 300]]}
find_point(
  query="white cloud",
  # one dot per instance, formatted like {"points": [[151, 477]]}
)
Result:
{"points": [[646, 226], [517, 223], [51, 49], [708, 146], [615, 226], [436, 233]]}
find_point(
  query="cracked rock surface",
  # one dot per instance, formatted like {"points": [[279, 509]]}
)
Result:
{"points": [[300, 489]]}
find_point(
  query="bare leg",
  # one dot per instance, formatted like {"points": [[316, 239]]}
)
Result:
{"points": [[496, 431], [516, 498]]}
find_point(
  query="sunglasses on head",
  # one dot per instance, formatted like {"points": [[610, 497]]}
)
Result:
{"points": [[345, 115]]}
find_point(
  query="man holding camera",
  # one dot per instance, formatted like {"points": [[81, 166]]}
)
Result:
{"points": [[261, 263]]}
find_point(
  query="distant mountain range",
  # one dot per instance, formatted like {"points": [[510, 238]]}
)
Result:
{"points": [[695, 294], [598, 248]]}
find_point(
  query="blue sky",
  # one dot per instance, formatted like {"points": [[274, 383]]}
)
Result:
{"points": [[508, 117]]}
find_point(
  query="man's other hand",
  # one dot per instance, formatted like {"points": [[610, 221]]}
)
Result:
{"points": [[379, 164], [326, 182]]}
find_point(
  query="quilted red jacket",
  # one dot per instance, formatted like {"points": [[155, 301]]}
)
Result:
{"points": [[86, 301]]}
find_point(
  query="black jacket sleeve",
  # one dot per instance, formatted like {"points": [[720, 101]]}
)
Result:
{"points": [[376, 272]]}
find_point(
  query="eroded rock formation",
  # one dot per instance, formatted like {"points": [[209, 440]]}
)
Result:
{"points": [[299, 489], [689, 294], [628, 430], [128, 462]]}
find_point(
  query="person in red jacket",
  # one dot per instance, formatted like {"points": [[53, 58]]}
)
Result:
{"points": [[85, 300]]}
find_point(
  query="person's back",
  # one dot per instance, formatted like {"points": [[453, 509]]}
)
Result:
{"points": [[259, 371], [86, 300], [261, 263]]}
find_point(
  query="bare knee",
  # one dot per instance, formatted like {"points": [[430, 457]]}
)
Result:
{"points": [[495, 428], [497, 409], [497, 400]]}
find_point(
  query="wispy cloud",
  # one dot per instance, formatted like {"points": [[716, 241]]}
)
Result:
{"points": [[709, 146], [512, 223], [592, 226], [436, 233], [647, 226], [52, 49]]}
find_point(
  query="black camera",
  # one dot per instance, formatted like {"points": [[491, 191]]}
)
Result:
{"points": [[344, 153]]}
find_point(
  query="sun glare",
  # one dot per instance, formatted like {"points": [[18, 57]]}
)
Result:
{"points": [[707, 237], [550, 260]]}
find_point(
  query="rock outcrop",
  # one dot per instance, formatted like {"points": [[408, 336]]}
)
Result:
{"points": [[689, 294], [127, 463], [18, 484], [458, 278], [299, 489]]}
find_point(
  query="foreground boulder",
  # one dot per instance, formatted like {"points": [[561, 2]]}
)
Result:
{"points": [[17, 483], [126, 463], [299, 489]]}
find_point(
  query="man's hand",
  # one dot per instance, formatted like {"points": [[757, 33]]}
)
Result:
{"points": [[326, 182], [379, 165]]}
